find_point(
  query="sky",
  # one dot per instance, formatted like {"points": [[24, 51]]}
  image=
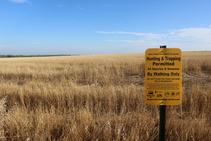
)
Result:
{"points": [[40, 27]]}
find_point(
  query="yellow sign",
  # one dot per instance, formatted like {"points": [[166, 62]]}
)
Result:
{"points": [[163, 76]]}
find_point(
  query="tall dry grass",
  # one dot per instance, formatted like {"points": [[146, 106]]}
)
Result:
{"points": [[98, 97]]}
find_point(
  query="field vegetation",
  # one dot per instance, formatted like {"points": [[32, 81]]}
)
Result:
{"points": [[98, 98]]}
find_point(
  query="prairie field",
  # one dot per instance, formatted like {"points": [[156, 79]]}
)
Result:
{"points": [[98, 98]]}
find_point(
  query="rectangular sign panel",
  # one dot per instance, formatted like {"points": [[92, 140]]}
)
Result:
{"points": [[163, 76]]}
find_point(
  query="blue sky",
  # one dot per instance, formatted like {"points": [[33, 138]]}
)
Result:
{"points": [[103, 26]]}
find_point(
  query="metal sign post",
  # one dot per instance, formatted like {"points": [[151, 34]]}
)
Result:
{"points": [[162, 126]]}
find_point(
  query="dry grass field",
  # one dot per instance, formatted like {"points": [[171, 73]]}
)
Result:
{"points": [[98, 98]]}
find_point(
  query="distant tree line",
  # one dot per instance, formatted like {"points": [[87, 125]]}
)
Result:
{"points": [[13, 56]]}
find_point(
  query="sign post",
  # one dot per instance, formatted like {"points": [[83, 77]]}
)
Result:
{"points": [[163, 80], [162, 126]]}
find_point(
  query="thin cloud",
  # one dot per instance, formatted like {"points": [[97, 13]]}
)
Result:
{"points": [[188, 34], [19, 1], [181, 38], [145, 35], [79, 7], [196, 34], [60, 5], [126, 41]]}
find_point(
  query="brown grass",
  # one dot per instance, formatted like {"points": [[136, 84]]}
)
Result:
{"points": [[98, 97]]}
